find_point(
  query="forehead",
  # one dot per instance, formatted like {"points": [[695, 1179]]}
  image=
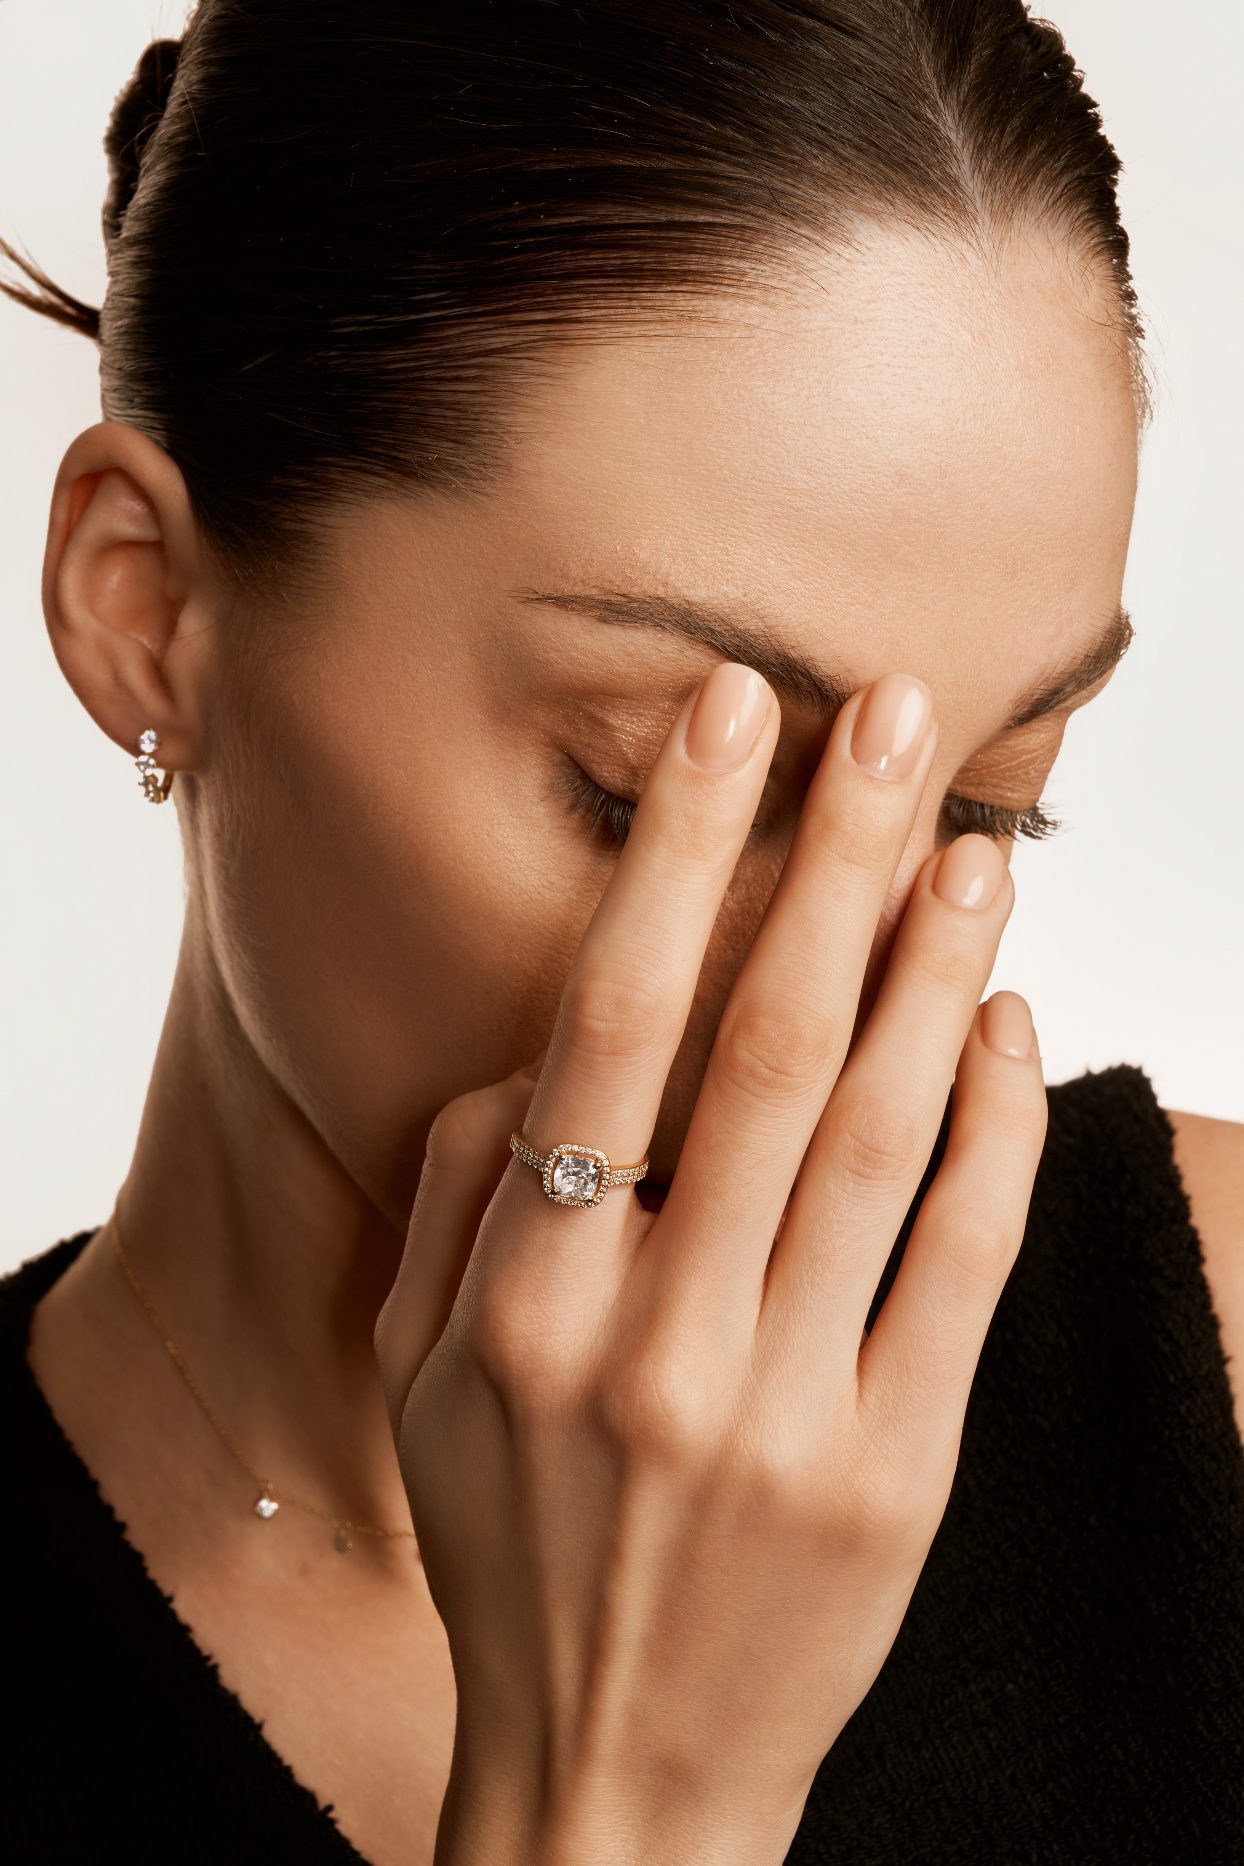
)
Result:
{"points": [[909, 454]]}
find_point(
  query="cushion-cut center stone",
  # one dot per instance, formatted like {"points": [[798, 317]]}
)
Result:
{"points": [[576, 1177]]}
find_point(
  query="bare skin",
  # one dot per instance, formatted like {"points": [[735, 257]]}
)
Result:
{"points": [[1210, 1157], [928, 466]]}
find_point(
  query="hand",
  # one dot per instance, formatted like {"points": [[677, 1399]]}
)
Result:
{"points": [[672, 1501]]}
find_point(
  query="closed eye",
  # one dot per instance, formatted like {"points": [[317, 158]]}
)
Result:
{"points": [[609, 817], [962, 816]]}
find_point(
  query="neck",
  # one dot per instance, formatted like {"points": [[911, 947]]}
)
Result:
{"points": [[266, 1262]]}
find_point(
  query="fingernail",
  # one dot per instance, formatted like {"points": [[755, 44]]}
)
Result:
{"points": [[728, 717], [970, 871], [1006, 1025], [892, 726]]}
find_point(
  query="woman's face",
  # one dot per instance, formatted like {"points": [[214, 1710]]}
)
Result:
{"points": [[916, 458]]}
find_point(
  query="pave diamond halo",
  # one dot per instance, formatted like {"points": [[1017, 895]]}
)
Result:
{"points": [[573, 1174], [576, 1176]]}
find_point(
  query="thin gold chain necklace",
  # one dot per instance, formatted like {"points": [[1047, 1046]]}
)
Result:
{"points": [[270, 1499]]}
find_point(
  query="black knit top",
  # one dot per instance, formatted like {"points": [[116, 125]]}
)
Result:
{"points": [[1066, 1690]]}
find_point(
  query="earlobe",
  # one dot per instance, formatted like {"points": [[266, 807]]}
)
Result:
{"points": [[123, 576]]}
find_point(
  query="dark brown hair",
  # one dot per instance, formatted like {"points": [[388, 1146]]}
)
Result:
{"points": [[332, 229]]}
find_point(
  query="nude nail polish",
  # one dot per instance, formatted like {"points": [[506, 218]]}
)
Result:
{"points": [[1006, 1026], [728, 717], [969, 872], [892, 726]]}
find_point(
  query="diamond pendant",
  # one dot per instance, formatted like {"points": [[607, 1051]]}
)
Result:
{"points": [[266, 1506], [341, 1541]]}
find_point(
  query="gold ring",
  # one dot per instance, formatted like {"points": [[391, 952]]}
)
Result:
{"points": [[575, 1175]]}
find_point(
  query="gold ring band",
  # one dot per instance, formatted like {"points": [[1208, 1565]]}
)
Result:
{"points": [[575, 1175]]}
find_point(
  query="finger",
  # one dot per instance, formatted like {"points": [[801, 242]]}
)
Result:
{"points": [[630, 989], [916, 1367], [789, 1018], [467, 1154], [872, 1144]]}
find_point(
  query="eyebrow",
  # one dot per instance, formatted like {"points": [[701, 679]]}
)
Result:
{"points": [[1100, 658], [788, 672], [752, 643]]}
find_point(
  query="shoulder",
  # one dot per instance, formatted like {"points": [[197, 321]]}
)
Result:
{"points": [[1210, 1158]]}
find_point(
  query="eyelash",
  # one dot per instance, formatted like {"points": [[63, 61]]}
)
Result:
{"points": [[609, 817], [962, 816]]}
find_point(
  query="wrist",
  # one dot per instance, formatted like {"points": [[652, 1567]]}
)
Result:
{"points": [[519, 1815]]}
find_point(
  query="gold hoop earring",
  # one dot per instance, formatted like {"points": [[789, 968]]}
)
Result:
{"points": [[156, 783]]}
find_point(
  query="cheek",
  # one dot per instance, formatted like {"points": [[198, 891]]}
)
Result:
{"points": [[385, 929]]}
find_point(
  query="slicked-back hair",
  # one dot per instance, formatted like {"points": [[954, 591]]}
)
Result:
{"points": [[332, 230]]}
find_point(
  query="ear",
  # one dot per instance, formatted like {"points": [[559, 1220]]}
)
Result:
{"points": [[128, 592]]}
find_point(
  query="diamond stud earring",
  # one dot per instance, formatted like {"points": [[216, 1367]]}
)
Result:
{"points": [[156, 783]]}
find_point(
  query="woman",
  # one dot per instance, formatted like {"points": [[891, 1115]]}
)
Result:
{"points": [[603, 516]]}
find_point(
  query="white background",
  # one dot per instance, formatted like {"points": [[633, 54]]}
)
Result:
{"points": [[1127, 938]]}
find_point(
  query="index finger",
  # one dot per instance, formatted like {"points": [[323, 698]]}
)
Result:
{"points": [[630, 989]]}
